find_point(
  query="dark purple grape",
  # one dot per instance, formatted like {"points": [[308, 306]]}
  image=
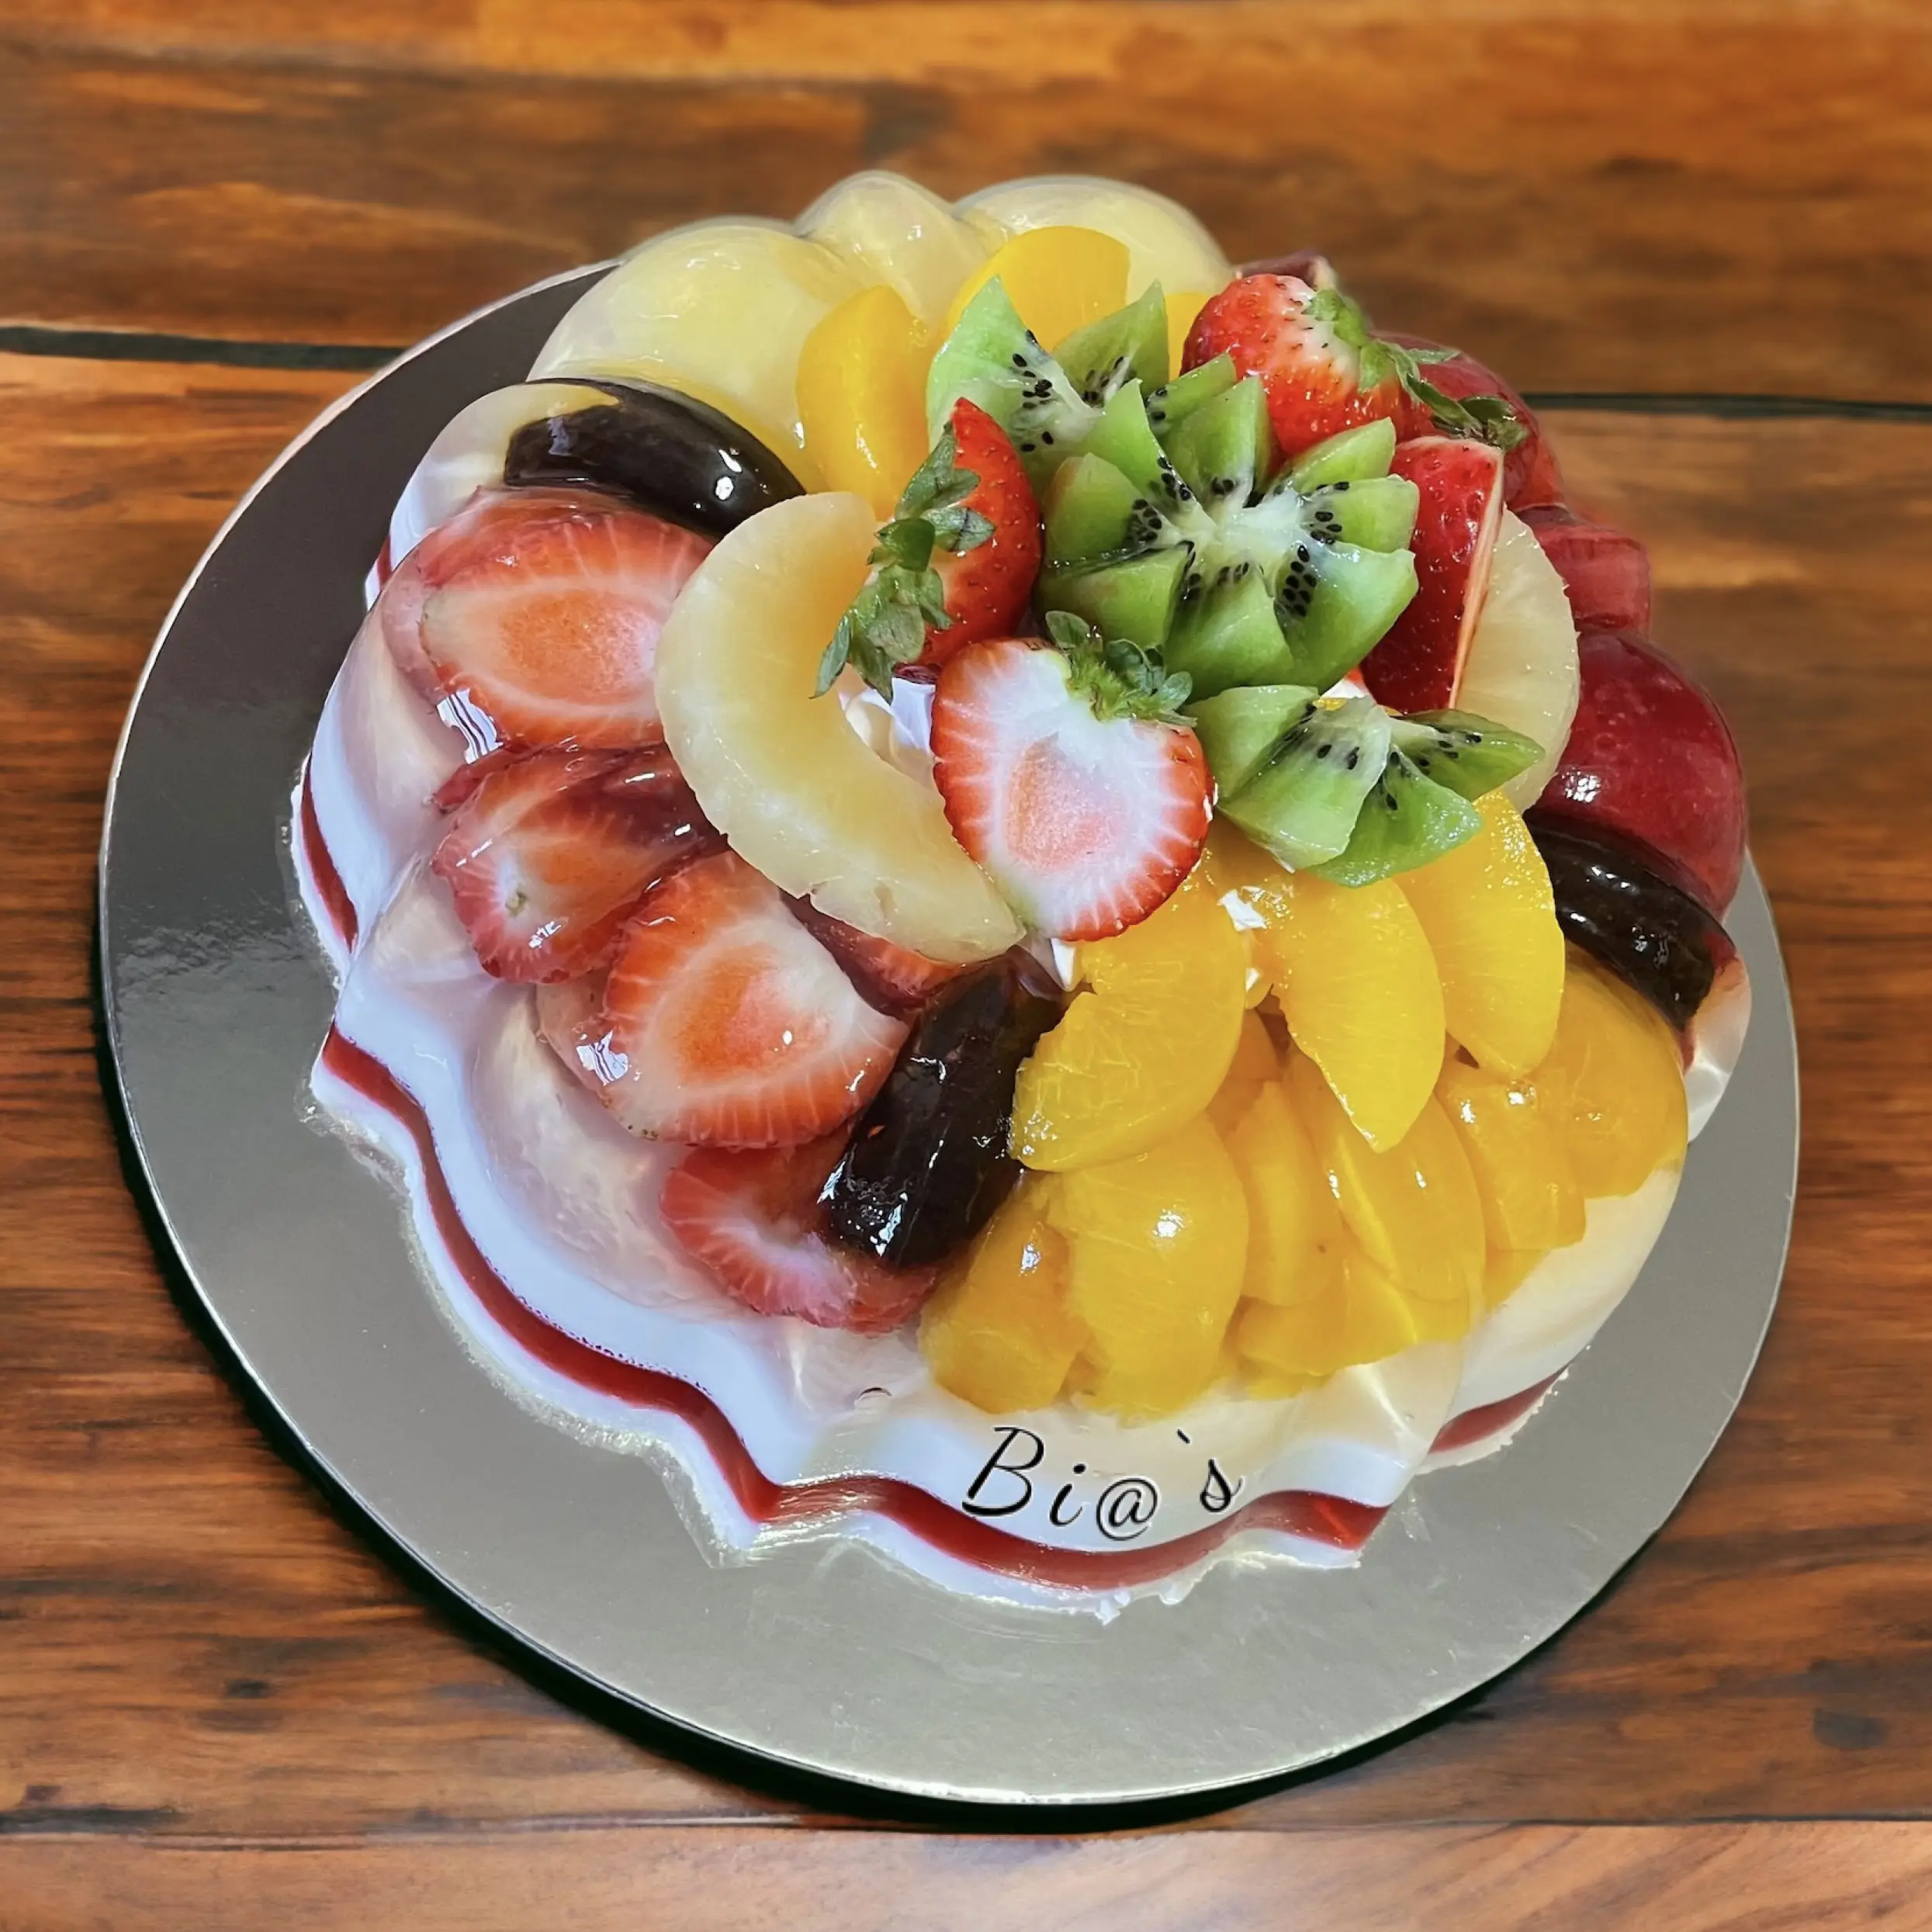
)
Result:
{"points": [[927, 1164], [677, 458], [1662, 943]]}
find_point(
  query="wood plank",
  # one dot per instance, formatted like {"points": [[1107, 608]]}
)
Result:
{"points": [[1819, 1877], [190, 1645], [1725, 197]]}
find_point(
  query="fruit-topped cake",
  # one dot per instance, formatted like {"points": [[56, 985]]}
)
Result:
{"points": [[1018, 896]]}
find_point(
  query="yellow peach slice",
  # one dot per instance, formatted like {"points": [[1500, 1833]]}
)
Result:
{"points": [[1490, 917]]}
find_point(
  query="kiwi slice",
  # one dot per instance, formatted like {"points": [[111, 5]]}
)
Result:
{"points": [[1093, 512], [1135, 598], [993, 359], [1353, 455], [1302, 801], [1468, 754], [1168, 407], [1130, 345], [1405, 821], [1229, 634], [1282, 586], [1378, 514], [1223, 448], [1123, 438], [1238, 728]]}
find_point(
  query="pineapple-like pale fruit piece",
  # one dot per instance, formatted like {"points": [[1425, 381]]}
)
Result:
{"points": [[1164, 243], [1521, 667], [781, 772], [719, 311], [899, 234]]}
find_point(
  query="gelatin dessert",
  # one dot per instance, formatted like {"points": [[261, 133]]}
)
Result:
{"points": [[1005, 893]]}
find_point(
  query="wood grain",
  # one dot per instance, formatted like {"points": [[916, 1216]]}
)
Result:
{"points": [[1727, 195], [193, 1651], [1808, 1878]]}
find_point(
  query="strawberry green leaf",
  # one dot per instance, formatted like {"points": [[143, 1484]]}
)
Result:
{"points": [[1119, 678], [1486, 418], [887, 622]]}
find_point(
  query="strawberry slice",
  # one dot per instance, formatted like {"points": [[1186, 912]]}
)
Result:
{"points": [[570, 1023], [894, 978], [1325, 370], [753, 1220], [1068, 774], [728, 1024], [957, 563], [531, 619], [1606, 574], [546, 856], [1419, 661]]}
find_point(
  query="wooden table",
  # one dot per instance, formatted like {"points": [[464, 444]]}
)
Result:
{"points": [[217, 1709]]}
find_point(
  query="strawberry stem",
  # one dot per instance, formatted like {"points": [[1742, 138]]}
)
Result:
{"points": [[1487, 419], [1120, 678]]}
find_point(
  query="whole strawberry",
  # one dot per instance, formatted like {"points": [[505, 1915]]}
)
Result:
{"points": [[1325, 370], [957, 563]]}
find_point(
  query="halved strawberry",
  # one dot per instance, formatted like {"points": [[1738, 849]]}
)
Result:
{"points": [[1606, 574], [957, 563], [1325, 370], [531, 619], [752, 1219], [728, 1024], [894, 978], [1418, 663], [546, 856], [1067, 773]]}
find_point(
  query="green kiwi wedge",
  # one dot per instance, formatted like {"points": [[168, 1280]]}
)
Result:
{"points": [[1301, 802], [1224, 448], [1133, 598], [1092, 512], [991, 359], [1468, 754], [1378, 514], [1169, 407], [1280, 586], [1405, 821], [1354, 455], [1129, 345], [1238, 728]]}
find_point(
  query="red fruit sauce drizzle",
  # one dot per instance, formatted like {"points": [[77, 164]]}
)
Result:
{"points": [[1472, 1424], [1332, 1520], [328, 882]]}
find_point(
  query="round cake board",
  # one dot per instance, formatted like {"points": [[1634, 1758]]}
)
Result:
{"points": [[820, 1656]]}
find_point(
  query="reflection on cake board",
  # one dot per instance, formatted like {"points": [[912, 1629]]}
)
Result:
{"points": [[829, 1658]]}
